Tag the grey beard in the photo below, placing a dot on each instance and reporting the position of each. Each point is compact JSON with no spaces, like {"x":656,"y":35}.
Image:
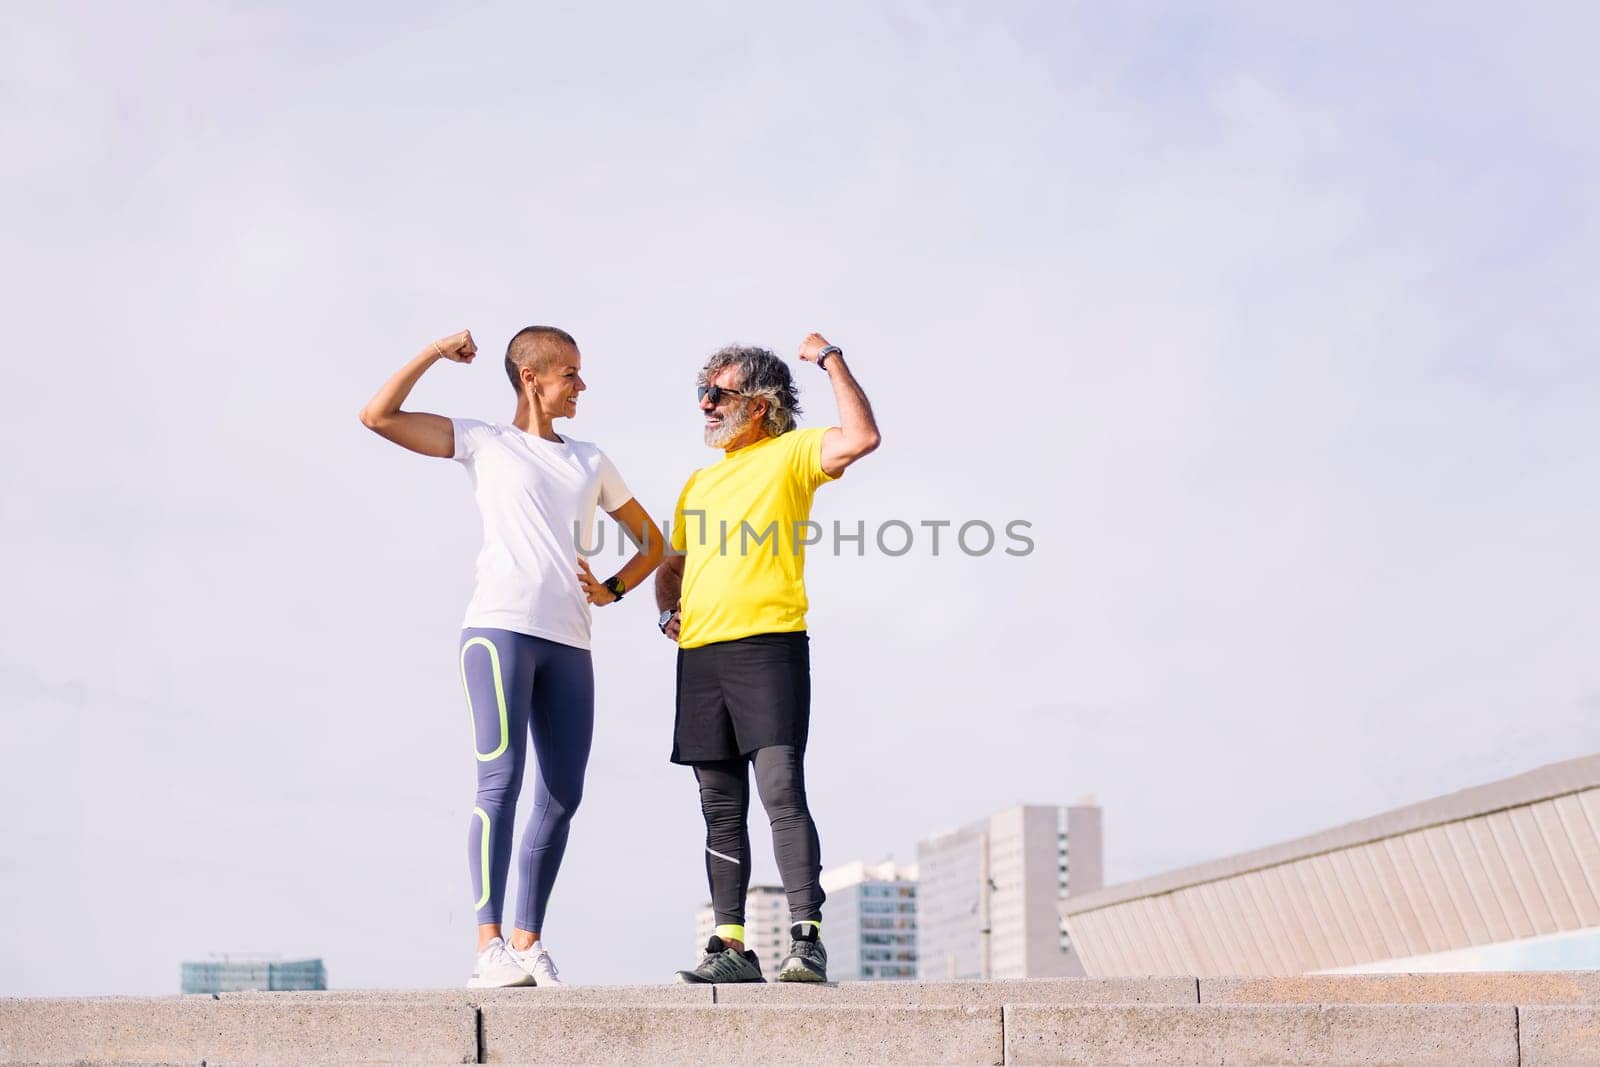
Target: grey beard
{"x":732,"y":426}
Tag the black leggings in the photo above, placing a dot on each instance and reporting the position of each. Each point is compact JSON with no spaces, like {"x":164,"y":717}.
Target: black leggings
{"x":725,"y":801}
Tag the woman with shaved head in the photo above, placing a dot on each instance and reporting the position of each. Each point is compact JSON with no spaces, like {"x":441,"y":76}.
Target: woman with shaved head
{"x":525,"y":640}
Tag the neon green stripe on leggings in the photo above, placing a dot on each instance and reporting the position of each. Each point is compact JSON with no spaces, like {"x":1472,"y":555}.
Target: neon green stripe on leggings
{"x":499,"y":696}
{"x":483,"y":856}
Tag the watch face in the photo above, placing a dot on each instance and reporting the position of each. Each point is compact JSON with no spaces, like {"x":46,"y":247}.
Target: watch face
{"x":666,"y":616}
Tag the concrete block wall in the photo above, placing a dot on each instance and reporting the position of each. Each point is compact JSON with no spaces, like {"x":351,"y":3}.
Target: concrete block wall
{"x":1527,"y":1019}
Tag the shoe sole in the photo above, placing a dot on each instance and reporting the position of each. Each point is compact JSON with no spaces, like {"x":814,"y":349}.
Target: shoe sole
{"x":475,"y":983}
{"x":799,"y":972}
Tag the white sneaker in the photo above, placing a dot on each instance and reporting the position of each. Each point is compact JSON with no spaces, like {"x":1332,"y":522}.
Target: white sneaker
{"x":536,"y":961}
{"x":496,"y":969}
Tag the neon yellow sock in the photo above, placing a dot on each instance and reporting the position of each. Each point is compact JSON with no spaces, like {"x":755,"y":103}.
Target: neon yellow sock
{"x":730,"y":932}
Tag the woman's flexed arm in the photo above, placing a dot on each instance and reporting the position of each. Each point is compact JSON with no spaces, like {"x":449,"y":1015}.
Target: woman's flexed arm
{"x":431,"y":435}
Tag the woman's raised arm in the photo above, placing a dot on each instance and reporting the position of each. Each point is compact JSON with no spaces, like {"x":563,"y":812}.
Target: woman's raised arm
{"x":430,"y":435}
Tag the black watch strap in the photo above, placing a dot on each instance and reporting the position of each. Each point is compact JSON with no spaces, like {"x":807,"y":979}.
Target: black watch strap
{"x":614,"y":583}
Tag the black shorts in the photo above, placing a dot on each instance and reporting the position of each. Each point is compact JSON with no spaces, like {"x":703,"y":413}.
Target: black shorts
{"x":737,"y":696}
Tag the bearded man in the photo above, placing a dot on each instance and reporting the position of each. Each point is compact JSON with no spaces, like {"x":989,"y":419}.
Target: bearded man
{"x":733,"y":597}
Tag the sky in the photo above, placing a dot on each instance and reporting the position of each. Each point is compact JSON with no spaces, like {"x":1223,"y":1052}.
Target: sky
{"x":1267,"y":319}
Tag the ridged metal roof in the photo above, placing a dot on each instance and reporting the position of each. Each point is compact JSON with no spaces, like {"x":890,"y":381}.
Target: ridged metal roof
{"x":1497,"y":862}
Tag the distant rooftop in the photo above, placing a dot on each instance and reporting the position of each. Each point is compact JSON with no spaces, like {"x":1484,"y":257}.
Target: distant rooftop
{"x":981,"y":824}
{"x":235,"y":973}
{"x":848,"y":874}
{"x":1542,"y":783}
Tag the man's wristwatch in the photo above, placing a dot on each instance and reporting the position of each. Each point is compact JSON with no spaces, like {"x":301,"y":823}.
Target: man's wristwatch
{"x":822,"y":357}
{"x":614,"y":583}
{"x":666,"y":617}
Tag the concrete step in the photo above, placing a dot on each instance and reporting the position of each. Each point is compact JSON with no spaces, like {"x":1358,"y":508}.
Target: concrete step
{"x":1169,"y":990}
{"x":260,"y":1030}
{"x":1531,"y":987}
{"x":1426,"y":1019}
{"x":801,"y":1034}
{"x":1263,"y":1034}
{"x":1568,"y":1036}
{"x":1166,"y":990}
{"x":1526,"y":988}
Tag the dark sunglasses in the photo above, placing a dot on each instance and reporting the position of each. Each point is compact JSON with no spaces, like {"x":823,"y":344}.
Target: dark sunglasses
{"x":715,"y":393}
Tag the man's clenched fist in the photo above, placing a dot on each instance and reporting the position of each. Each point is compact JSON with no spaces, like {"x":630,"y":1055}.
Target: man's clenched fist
{"x":811,"y":347}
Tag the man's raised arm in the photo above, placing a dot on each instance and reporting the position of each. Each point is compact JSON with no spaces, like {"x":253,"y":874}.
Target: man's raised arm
{"x":857,"y":432}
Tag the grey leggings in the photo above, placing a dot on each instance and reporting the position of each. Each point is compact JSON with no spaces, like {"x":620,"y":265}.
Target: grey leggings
{"x":519,"y":686}
{"x":725,"y":802}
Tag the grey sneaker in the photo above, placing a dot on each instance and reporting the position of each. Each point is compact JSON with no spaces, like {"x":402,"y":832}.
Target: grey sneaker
{"x":722,"y":964}
{"x":807,"y":960}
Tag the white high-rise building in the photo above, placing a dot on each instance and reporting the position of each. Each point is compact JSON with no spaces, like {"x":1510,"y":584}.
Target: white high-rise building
{"x":869,"y":923}
{"x":766,"y":926}
{"x":989,"y":894}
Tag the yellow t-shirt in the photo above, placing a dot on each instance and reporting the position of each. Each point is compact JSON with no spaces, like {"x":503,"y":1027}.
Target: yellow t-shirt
{"x":743,"y":524}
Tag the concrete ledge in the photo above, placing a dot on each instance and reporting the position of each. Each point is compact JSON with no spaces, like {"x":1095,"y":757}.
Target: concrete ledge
{"x":194,"y":1029}
{"x":1318,"y":1019}
{"x":1263,"y":1034}
{"x":1565,"y":1036}
{"x":602,"y":994}
{"x":809,"y":1034}
{"x":1520,"y":987}
{"x":990,"y":994}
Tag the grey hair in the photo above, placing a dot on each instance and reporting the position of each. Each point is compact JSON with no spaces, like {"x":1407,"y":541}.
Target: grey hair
{"x":762,"y":374}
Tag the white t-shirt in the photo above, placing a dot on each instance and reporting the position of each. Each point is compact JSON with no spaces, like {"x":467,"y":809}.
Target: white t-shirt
{"x":537,"y":499}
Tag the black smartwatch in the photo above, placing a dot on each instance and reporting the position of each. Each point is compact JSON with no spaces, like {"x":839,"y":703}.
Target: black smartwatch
{"x":614,"y":583}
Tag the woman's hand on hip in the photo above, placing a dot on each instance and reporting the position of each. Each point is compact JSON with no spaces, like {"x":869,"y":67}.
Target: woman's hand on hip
{"x":593,"y":589}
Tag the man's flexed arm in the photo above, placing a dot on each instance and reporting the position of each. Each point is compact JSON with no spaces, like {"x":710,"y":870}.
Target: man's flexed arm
{"x":857,"y":432}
